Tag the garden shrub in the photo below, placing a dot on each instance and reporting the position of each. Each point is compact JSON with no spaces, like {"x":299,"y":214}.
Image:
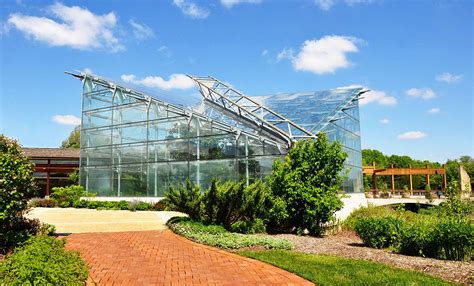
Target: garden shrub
{"x":456,"y":206}
{"x":308,"y":181}
{"x":158,"y":206}
{"x":235,"y":202}
{"x":16,"y":188}
{"x":364,"y":212}
{"x":418,"y":239}
{"x":42,"y":260}
{"x":216,"y":235}
{"x":122,"y":205}
{"x":20,"y":229}
{"x":231,"y":204}
{"x":455,"y":239}
{"x":251,"y":227}
{"x":42,"y":203}
{"x":143,"y":206}
{"x":378,"y":232}
{"x":186,"y":199}
{"x":68,"y":196}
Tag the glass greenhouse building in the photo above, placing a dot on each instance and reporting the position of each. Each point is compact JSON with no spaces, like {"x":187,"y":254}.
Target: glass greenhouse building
{"x":135,"y":145}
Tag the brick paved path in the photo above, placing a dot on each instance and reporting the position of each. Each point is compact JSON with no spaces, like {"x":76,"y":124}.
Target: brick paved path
{"x":164,"y":258}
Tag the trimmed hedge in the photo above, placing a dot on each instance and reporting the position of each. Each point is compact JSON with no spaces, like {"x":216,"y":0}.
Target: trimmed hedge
{"x":216,"y":235}
{"x":42,"y":260}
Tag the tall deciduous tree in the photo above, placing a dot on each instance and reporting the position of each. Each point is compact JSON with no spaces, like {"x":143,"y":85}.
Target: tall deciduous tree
{"x":307,"y":182}
{"x":74,"y":139}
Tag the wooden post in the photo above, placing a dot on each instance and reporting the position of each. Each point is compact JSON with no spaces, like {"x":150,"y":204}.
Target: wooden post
{"x":374,"y":180}
{"x":428,"y":178}
{"x":411,"y":182}
{"x":47,"y":178}
{"x":444,"y":179}
{"x":393,"y":182}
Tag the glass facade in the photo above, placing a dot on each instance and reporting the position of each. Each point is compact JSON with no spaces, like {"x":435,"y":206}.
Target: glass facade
{"x":133,"y":145}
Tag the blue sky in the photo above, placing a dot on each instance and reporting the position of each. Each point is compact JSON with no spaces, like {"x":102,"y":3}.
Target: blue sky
{"x":415,"y":56}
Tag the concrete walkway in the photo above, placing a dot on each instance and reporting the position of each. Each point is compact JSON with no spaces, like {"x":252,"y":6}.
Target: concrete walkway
{"x":71,"y":220}
{"x":164,"y":258}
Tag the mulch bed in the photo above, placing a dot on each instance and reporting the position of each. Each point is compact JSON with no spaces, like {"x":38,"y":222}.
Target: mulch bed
{"x":348,"y":244}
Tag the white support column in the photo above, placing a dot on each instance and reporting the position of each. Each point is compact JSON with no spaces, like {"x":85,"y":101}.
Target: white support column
{"x":198,"y":156}
{"x":247,"y":159}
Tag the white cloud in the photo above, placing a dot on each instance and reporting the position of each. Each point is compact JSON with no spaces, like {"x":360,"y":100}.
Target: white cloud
{"x":264,"y":52}
{"x":165,"y":51}
{"x":322,"y":56}
{"x":355,"y":2}
{"x":326,"y":5}
{"x":176,"y":81}
{"x":141,"y":31}
{"x":77,"y":27}
{"x":230,"y":3}
{"x":384,"y":121}
{"x":424,"y":93}
{"x":411,"y":135}
{"x":285,"y":54}
{"x":377,"y":96}
{"x":4,"y":29}
{"x":191,"y":9}
{"x":67,"y":119}
{"x":434,"y":110}
{"x":449,"y":78}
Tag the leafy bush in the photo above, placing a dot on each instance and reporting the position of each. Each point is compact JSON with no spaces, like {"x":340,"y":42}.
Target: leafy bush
{"x":20,"y":229}
{"x":186,"y":199}
{"x":215,"y":235}
{"x":16,"y":188}
{"x":418,"y":239}
{"x":42,"y":260}
{"x":456,"y":206}
{"x":308,"y":181}
{"x":378,"y":232}
{"x":365,"y":212}
{"x":158,"y":206}
{"x":68,"y":196}
{"x":42,"y":203}
{"x":455,"y":239}
{"x":255,"y":226}
{"x":114,"y":205}
{"x":231,"y":204}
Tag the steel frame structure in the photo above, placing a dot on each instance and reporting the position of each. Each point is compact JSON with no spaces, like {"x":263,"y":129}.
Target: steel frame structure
{"x":110,"y":155}
{"x":235,"y":103}
{"x":129,"y":138}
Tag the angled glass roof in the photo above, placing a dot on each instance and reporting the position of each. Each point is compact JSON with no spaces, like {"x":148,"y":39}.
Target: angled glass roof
{"x":311,"y":110}
{"x":284,"y":116}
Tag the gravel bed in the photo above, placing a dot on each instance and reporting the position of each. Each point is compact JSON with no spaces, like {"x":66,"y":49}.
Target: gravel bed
{"x":348,"y":244}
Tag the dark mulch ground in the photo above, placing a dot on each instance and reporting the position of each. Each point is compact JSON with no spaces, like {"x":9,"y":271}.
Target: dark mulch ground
{"x":348,"y":244}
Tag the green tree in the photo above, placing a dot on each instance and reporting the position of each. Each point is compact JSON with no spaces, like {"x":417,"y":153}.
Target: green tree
{"x":369,"y":156}
{"x":74,"y":139}
{"x":16,"y":188}
{"x":307,"y":181}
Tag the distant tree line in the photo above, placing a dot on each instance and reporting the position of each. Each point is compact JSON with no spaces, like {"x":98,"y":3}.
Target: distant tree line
{"x":74,"y":139}
{"x":419,"y":182}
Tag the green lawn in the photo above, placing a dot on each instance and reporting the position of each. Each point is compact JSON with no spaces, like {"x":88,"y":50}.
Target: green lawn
{"x":331,"y":270}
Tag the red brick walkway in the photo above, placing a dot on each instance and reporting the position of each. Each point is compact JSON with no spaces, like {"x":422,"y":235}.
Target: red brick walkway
{"x":163,"y":258}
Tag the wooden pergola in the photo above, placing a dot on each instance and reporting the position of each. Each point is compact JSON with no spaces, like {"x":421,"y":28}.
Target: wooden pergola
{"x":374,"y":172}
